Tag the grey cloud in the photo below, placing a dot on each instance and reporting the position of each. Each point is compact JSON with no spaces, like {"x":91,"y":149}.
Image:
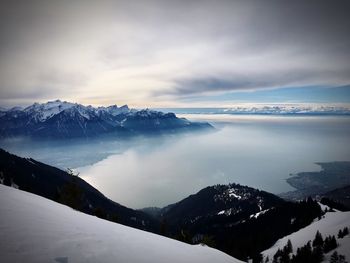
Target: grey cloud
{"x":275,"y":79}
{"x":191,"y":46}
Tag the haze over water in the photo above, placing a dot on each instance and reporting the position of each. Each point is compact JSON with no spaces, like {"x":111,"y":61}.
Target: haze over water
{"x":258,"y":151}
{"x":254,"y":150}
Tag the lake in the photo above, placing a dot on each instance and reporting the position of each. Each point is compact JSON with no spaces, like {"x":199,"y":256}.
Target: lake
{"x":258,"y":151}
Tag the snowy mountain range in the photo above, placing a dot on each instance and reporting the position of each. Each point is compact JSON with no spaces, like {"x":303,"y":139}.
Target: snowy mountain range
{"x":270,"y":109}
{"x":61,"y":119}
{"x":290,"y":110}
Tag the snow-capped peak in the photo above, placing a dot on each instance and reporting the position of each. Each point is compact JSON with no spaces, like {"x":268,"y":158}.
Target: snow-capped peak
{"x":115,"y":110}
{"x":146,"y":112}
{"x":285,"y":109}
{"x":17,"y":108}
{"x":44,"y":111}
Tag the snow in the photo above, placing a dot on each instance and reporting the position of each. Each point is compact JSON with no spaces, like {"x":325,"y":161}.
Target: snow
{"x":114,"y":110}
{"x":17,"y":108}
{"x":14,"y":185}
{"x":34,"y":229}
{"x":231,"y":193}
{"x":230,"y":211}
{"x":343,"y":249}
{"x":256,"y":215}
{"x":29,"y":160}
{"x":44,"y":111}
{"x":84,"y":112}
{"x":260,"y":207}
{"x":47,"y":110}
{"x":330,"y":224}
{"x":325,"y":207}
{"x":289,"y":109}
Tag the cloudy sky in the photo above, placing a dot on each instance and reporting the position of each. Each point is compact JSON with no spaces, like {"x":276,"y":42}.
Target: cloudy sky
{"x":174,"y":53}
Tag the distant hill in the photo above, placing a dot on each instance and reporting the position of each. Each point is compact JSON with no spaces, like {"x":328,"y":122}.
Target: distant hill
{"x":233,"y":200}
{"x":55,"y":184}
{"x":338,"y":198}
{"x":239,"y":220}
{"x":332,"y":176}
{"x":61,"y":119}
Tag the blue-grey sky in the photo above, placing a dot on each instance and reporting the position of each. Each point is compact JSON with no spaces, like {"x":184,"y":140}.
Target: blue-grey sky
{"x":308,"y":94}
{"x":162,"y":53}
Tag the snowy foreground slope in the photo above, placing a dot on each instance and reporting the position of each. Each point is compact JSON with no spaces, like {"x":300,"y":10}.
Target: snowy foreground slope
{"x":35,"y":229}
{"x":330,"y":224}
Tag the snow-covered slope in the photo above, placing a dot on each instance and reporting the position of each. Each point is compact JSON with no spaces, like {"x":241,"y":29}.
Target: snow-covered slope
{"x":343,"y":249}
{"x":34,"y":229}
{"x":42,"y":112}
{"x":330,"y":224}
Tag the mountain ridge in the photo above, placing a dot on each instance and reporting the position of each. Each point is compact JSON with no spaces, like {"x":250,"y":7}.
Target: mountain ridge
{"x":61,"y":119}
{"x":50,"y":182}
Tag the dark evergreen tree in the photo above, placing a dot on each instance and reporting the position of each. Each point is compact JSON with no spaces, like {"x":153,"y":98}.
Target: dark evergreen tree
{"x":114,"y":218}
{"x":277,"y":256}
{"x":340,"y":233}
{"x":100,"y":212}
{"x":258,"y":258}
{"x":318,"y":241}
{"x":334,"y":242}
{"x":334,"y":204}
{"x":330,"y":243}
{"x":72,"y":195}
{"x":307,"y":254}
{"x":304,"y":254}
{"x":209,"y":241}
{"x":163,"y":227}
{"x":336,"y":258}
{"x":289,"y":246}
{"x":317,"y":254}
{"x":343,"y":233}
{"x":285,"y":258}
{"x":184,"y":236}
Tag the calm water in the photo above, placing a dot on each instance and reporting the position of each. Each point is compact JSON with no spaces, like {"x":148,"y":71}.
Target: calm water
{"x":259,"y":151}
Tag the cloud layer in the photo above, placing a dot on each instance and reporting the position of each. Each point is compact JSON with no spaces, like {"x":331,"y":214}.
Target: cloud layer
{"x":159,"y":52}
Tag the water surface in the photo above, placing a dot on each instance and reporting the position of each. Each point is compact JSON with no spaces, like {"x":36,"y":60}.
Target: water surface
{"x":259,"y":151}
